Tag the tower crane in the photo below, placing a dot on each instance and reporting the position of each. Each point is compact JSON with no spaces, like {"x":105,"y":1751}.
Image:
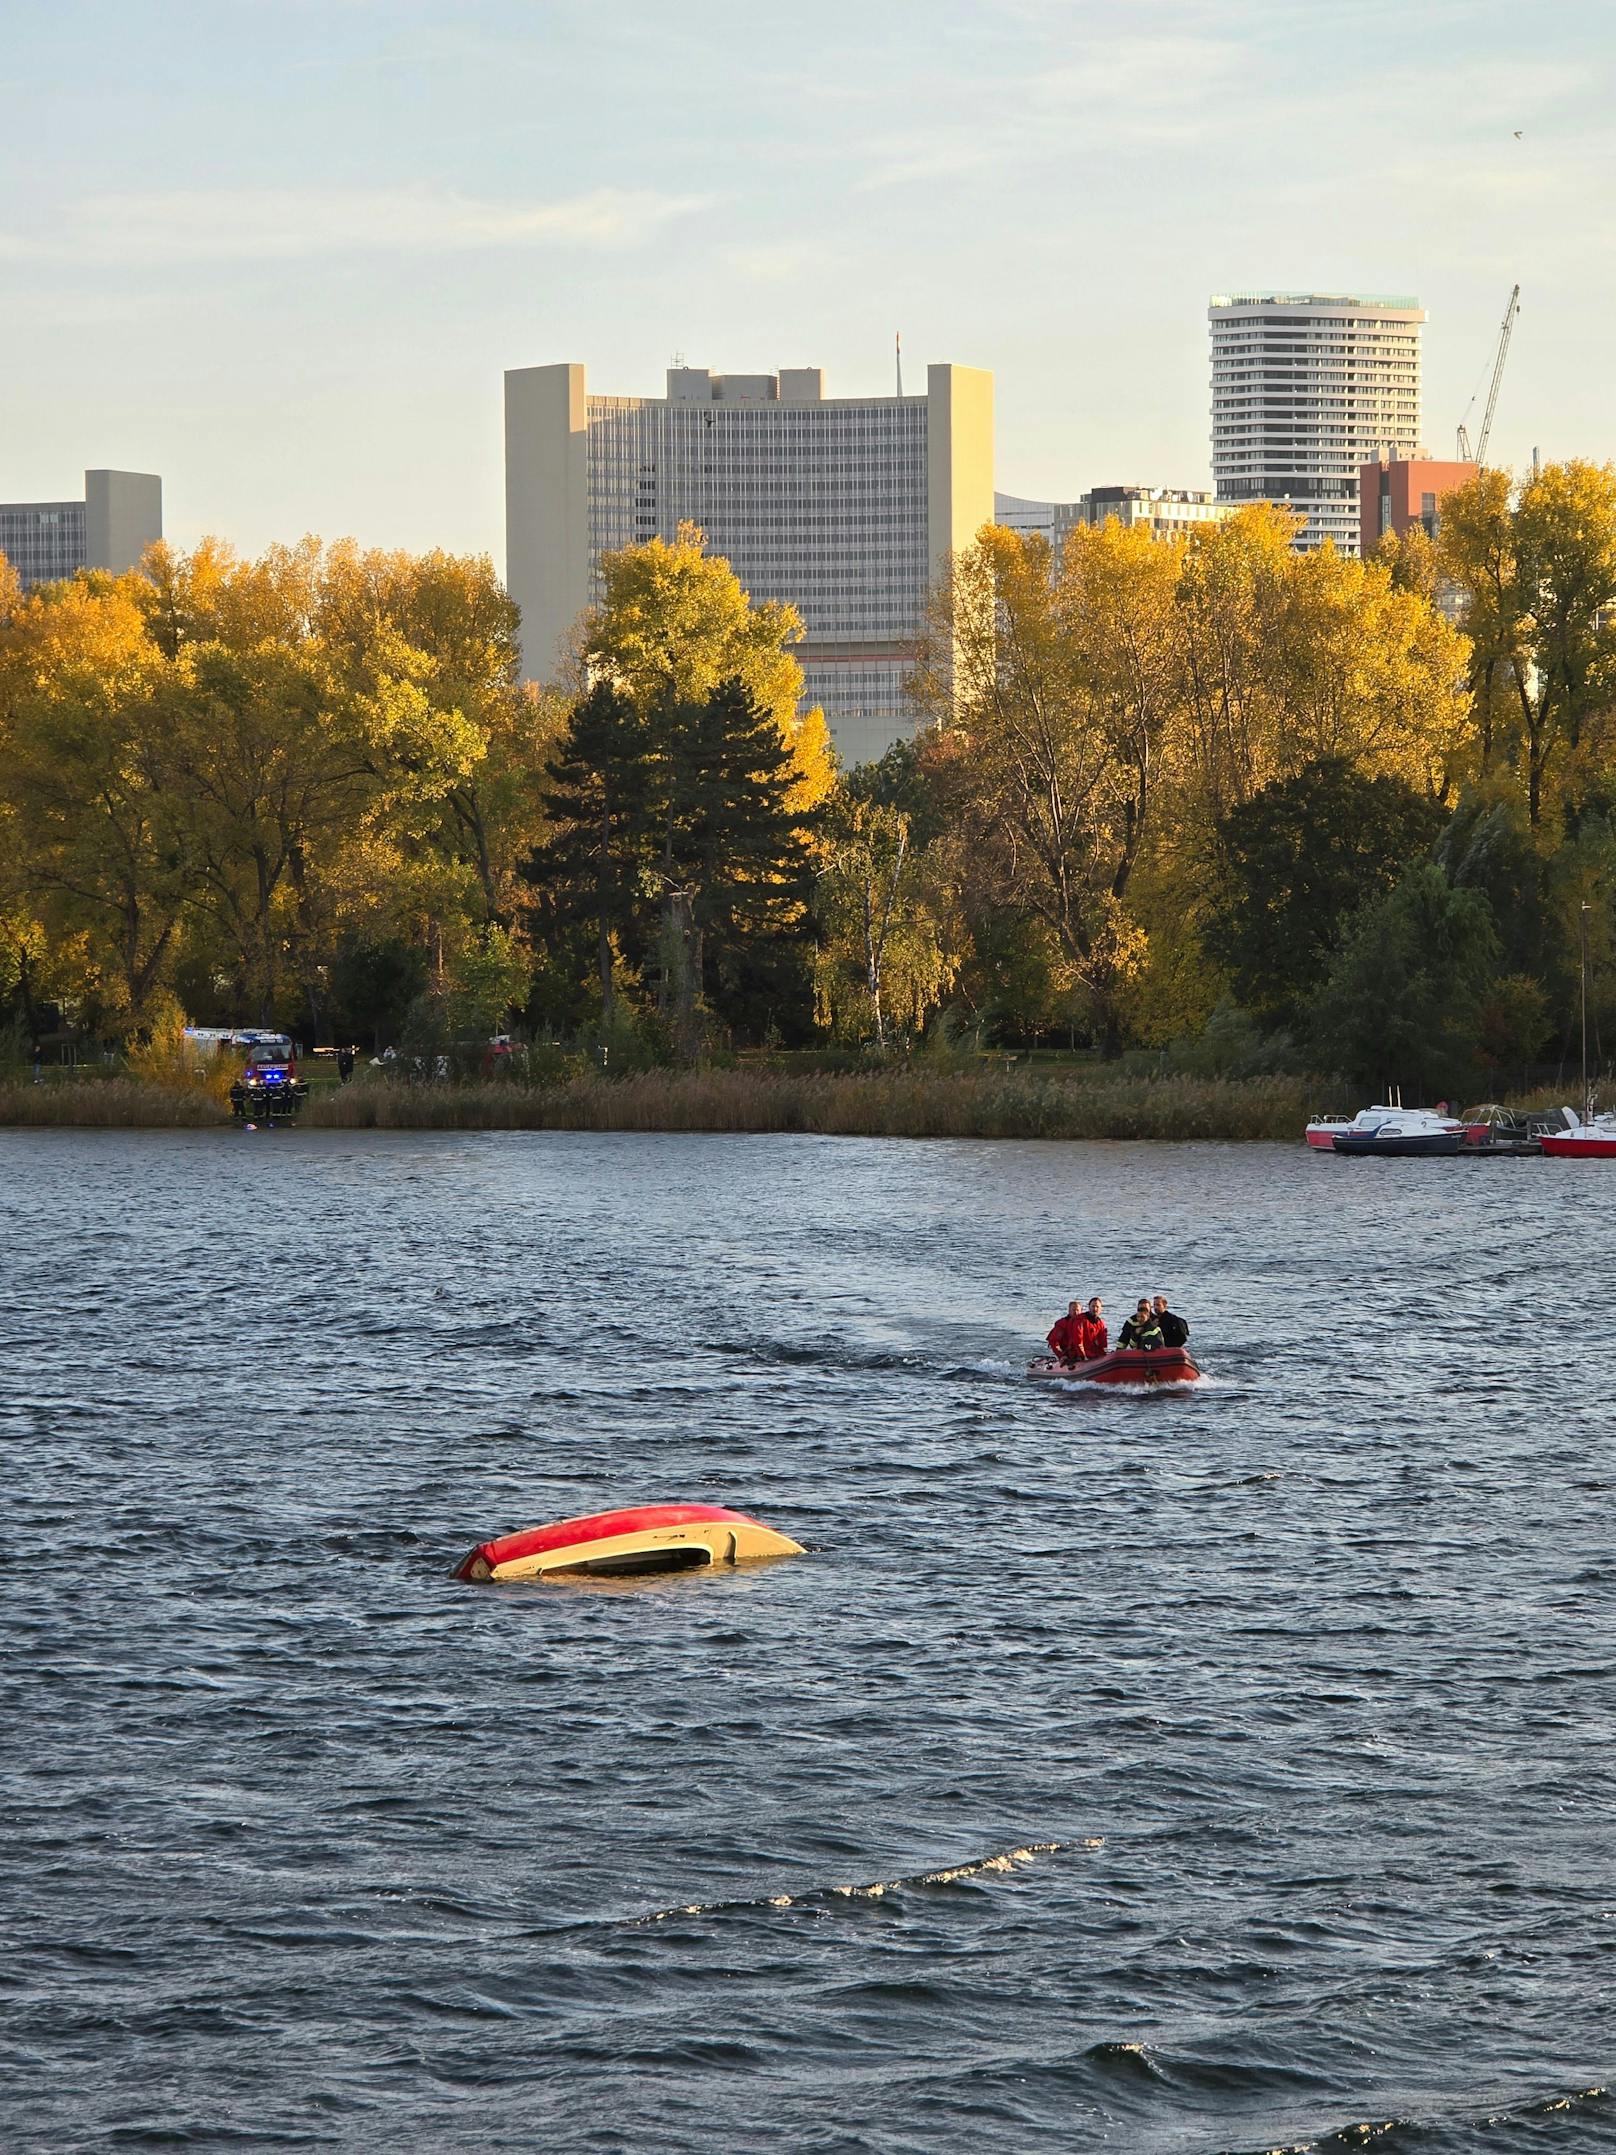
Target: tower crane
{"x":1480,"y":457}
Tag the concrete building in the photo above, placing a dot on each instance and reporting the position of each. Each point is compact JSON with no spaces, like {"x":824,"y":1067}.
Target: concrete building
{"x":1033,"y":519}
{"x":1306,"y":388}
{"x":1396,"y":493}
{"x":1169,"y":512}
{"x":843,"y":506}
{"x":120,"y":516}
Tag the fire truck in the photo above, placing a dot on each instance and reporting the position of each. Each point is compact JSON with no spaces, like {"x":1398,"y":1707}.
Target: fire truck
{"x":267,"y":1086}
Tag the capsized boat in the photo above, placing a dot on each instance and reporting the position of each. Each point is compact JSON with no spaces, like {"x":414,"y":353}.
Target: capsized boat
{"x":1594,"y":1139}
{"x":624,"y":1544}
{"x":1124,"y":1365}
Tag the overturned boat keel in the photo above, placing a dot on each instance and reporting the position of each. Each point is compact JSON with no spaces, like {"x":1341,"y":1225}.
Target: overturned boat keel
{"x":625,"y":1544}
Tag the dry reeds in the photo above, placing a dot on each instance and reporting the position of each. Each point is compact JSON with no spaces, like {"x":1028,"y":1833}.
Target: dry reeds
{"x":884,"y":1103}
{"x":899,"y":1103}
{"x":108,"y":1104}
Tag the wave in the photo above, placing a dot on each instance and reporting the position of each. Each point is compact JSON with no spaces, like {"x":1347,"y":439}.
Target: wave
{"x":1438,"y":2132}
{"x":1006,"y":1860}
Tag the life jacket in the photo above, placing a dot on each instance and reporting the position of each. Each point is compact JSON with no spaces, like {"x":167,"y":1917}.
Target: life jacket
{"x":1066,"y":1338}
{"x":1095,"y":1339}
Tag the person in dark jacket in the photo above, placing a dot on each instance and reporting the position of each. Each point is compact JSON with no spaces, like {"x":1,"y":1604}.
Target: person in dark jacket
{"x":1174,"y":1330}
{"x":1141,"y":1330}
{"x":1065,"y":1340}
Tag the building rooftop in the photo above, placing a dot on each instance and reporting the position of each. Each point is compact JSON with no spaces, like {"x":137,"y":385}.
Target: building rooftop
{"x":1402,"y":301}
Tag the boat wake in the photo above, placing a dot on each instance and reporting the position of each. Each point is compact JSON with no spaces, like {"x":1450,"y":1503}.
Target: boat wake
{"x":1009,"y":1859}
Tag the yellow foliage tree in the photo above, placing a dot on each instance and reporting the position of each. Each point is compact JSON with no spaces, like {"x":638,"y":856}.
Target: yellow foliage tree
{"x":1535,"y":568}
{"x":674,"y":623}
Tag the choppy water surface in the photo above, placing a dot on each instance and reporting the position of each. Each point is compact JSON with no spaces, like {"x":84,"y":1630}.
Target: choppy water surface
{"x":1226,"y":1771}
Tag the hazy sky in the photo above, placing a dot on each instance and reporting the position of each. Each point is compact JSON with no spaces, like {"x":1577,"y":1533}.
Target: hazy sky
{"x":281,"y":250}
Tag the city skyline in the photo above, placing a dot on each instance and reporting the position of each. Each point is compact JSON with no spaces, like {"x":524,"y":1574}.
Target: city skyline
{"x":299,"y":308}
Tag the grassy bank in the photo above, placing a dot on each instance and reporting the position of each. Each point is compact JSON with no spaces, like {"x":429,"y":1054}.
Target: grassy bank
{"x":897,"y":1103}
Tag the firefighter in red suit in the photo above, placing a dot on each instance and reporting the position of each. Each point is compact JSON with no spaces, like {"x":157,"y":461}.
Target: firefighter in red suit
{"x":1065,"y":1340}
{"x":1080,"y":1335}
{"x":1096,"y":1340}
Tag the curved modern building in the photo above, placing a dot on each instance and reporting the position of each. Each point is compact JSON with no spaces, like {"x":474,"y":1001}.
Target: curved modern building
{"x":1307,"y":388}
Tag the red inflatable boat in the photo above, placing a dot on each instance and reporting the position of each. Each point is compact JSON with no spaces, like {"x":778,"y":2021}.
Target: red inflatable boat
{"x":1126,"y":1365}
{"x":622,"y":1544}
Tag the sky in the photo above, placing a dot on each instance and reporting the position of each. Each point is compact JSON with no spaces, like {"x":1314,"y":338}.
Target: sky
{"x":281,"y":251}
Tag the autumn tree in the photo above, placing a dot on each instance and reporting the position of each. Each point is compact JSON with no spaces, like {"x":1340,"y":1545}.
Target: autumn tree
{"x":1061,"y":689}
{"x":1535,"y":568}
{"x":91,"y":847}
{"x":885,"y":956}
{"x":674,"y":623}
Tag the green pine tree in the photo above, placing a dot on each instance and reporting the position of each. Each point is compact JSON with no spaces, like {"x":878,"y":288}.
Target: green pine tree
{"x":732,"y":863}
{"x":599,"y":801}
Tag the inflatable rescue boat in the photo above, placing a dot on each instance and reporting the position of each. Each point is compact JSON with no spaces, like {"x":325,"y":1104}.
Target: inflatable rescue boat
{"x":1124,"y":1365}
{"x":625,"y":1544}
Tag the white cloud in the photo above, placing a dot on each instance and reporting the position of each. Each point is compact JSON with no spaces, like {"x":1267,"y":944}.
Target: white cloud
{"x":279,"y":224}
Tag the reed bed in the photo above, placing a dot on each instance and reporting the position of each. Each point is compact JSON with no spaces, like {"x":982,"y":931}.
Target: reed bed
{"x":906,"y":1103}
{"x":115,"y":1103}
{"x":886,"y":1103}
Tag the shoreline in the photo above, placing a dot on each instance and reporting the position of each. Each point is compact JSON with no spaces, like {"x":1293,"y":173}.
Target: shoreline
{"x":905,"y":1103}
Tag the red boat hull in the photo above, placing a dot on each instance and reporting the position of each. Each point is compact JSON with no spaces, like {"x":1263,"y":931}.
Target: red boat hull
{"x":1576,"y":1145}
{"x":1127,"y":1365}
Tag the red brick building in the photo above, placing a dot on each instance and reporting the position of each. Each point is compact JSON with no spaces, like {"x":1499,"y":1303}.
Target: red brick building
{"x":1396,"y":493}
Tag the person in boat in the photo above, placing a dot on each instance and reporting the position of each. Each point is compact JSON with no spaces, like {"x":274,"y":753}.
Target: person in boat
{"x":1065,"y":1340}
{"x":1080,"y":1336}
{"x":1095,"y":1339}
{"x":1174,"y":1330}
{"x":1141,"y":1331}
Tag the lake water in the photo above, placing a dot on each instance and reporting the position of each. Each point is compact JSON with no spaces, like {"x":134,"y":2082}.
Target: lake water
{"x":1219,"y":1771}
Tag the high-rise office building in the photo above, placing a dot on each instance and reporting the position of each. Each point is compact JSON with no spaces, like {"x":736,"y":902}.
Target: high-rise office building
{"x":120,"y":516}
{"x":1307,"y":387}
{"x":845,"y":507}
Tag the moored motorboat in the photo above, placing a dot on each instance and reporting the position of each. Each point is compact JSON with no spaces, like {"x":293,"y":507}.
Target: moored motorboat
{"x":1398,"y":1133}
{"x":1124,"y":1365}
{"x":624,"y":1544}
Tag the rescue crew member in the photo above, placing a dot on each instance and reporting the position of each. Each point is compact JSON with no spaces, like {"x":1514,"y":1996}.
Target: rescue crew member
{"x":1174,"y":1330}
{"x":1141,"y":1330}
{"x":1066,"y":1334}
{"x":1095,"y":1339}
